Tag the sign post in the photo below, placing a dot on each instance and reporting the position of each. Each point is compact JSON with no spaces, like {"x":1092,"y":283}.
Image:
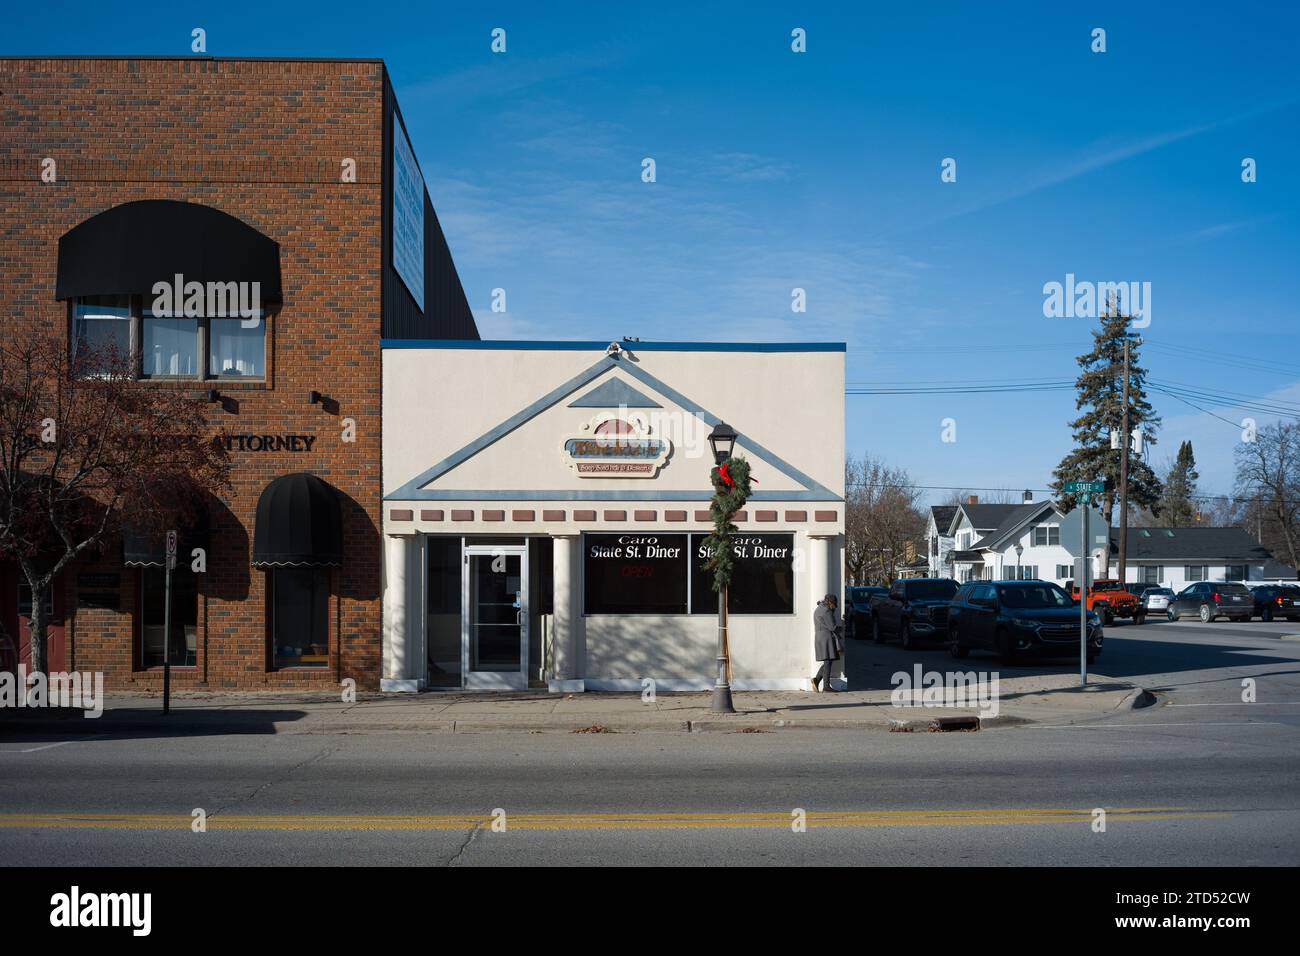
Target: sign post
{"x":167,"y":623}
{"x":1084,"y":490}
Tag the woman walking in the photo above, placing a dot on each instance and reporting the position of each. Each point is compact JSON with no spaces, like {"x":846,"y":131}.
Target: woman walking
{"x":828,"y":640}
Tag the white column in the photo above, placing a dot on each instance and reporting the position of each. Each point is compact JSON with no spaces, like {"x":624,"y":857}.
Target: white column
{"x":819,"y":580}
{"x":402,"y":640}
{"x":567,"y":618}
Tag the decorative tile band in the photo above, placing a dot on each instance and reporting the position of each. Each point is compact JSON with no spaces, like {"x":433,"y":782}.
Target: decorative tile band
{"x":674,"y":515}
{"x":796,"y":516}
{"x":584,"y":516}
{"x":461,"y":515}
{"x":645,"y":515}
{"x":494,"y":515}
{"x":765,"y":516}
{"x":431,"y":515}
{"x":825,"y":515}
{"x":523,"y":516}
{"x":615,"y":516}
{"x":401,"y":514}
{"x":548,"y":515}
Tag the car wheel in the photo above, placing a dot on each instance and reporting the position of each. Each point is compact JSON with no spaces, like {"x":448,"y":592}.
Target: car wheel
{"x":905,"y":635}
{"x":1206,"y":615}
{"x":1140,"y":618}
{"x":1171,"y":614}
{"x":875,"y":631}
{"x":1107,"y":619}
{"x":955,"y":646}
{"x":1266,"y":614}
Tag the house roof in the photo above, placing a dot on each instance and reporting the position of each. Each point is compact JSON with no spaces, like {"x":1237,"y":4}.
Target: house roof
{"x":943,"y":515}
{"x":985,"y":517}
{"x":1209,"y":544}
{"x":1016,"y":517}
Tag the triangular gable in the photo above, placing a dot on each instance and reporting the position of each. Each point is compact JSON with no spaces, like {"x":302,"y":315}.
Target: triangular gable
{"x":614,"y":393}
{"x":414,"y":489}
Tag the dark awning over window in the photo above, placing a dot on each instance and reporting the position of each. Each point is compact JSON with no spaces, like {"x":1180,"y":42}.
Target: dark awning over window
{"x":149,"y":550}
{"x":299,"y":524}
{"x":128,"y":248}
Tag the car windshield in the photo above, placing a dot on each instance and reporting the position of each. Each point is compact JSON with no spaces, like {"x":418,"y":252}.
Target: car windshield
{"x":1164,"y":591}
{"x":1106,"y":586}
{"x":864,"y":594}
{"x":927,"y":590}
{"x":1034,"y":595}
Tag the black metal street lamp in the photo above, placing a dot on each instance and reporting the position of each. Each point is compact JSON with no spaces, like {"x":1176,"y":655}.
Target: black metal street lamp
{"x":723,"y":441}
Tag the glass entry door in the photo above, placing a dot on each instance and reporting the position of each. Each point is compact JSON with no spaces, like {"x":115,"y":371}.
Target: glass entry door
{"x":494,"y":637}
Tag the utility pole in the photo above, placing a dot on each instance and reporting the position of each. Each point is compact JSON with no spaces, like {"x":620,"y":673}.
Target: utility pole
{"x":1123,"y":475}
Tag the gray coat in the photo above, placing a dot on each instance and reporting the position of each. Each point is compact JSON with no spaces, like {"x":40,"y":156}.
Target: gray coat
{"x":827,"y":633}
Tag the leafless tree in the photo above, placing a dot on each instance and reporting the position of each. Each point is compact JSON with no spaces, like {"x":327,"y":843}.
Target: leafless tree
{"x":85,"y":450}
{"x":1268,"y":475}
{"x":882,"y":519}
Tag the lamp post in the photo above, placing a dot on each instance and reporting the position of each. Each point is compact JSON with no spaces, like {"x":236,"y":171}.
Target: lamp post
{"x":1020,"y":549}
{"x":723,"y":442}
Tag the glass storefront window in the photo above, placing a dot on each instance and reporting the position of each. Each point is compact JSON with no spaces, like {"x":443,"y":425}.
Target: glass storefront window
{"x":635,"y":573}
{"x":763,"y":580}
{"x":101,"y":326}
{"x":300,"y":617}
{"x":185,"y":617}
{"x":237,"y":348}
{"x":169,"y":346}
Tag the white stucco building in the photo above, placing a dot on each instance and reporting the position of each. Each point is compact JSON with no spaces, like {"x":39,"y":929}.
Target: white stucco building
{"x":545,"y":505}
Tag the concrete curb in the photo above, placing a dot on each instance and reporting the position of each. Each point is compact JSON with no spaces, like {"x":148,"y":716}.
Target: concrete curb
{"x":1137,"y":699}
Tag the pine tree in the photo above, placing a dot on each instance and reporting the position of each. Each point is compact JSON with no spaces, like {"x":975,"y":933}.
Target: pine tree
{"x":1101,"y":396}
{"x":1175,"y":508}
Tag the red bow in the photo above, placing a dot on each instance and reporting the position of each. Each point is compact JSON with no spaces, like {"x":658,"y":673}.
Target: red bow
{"x":726,"y":477}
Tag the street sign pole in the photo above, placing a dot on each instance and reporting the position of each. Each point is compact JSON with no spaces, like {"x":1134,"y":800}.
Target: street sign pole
{"x":1083,"y":597}
{"x":167,"y":623}
{"x":1083,"y":490}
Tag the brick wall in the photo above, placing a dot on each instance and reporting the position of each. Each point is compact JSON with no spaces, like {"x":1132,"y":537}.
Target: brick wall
{"x":262,"y":141}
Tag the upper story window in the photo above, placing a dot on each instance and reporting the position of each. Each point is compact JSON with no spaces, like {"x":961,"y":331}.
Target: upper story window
{"x":1047,"y":535}
{"x":167,"y":346}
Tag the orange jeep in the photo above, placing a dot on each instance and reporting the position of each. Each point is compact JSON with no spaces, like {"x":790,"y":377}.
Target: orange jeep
{"x":1110,"y":599}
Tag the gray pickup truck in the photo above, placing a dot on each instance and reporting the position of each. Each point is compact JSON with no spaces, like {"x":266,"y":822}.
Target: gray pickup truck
{"x":914,"y":610}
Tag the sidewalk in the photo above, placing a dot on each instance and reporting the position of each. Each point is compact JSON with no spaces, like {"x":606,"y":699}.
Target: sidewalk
{"x":1053,"y":699}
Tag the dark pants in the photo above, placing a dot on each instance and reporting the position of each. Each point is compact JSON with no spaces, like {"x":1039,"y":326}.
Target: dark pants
{"x":824,"y":673}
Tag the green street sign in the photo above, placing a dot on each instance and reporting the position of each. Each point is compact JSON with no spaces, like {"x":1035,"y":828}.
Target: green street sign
{"x":1085,"y":487}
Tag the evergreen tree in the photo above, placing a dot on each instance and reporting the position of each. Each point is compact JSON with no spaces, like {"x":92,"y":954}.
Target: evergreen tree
{"x":1176,"y":508}
{"x":1101,"y":397}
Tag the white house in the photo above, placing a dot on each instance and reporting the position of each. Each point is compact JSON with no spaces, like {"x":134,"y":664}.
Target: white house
{"x":938,"y":542}
{"x":1035,"y":540}
{"x":1177,"y":557}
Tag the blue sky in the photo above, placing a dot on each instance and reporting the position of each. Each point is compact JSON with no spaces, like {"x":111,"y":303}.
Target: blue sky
{"x":821,"y":171}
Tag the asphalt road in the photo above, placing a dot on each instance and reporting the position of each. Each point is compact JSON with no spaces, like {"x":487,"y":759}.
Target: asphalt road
{"x":1200,"y":779}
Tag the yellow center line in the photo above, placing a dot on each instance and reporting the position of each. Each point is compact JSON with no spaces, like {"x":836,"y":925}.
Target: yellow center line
{"x":599,"y":821}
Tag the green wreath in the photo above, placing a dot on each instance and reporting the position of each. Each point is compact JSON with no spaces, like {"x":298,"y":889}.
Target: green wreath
{"x":731,"y":489}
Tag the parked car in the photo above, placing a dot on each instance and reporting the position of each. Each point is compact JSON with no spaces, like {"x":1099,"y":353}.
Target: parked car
{"x":857,"y":610}
{"x":1110,"y":599}
{"x":1277,"y":600}
{"x":1019,"y":618}
{"x":914,"y":610}
{"x":1156,"y":599}
{"x":1208,"y":600}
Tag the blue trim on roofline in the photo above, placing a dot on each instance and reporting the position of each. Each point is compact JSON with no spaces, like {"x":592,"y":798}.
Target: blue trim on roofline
{"x":535,"y":345}
{"x":413,"y":490}
{"x":701,"y":497}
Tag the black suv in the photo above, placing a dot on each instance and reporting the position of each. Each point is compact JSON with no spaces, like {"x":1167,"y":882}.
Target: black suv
{"x":1277,"y":600}
{"x":857,"y":610}
{"x":1018,"y":617}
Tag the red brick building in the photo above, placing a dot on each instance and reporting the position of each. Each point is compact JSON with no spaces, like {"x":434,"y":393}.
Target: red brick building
{"x":298,"y":175}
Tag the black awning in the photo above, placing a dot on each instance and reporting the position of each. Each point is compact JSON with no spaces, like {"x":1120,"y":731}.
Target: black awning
{"x":299,"y":524}
{"x":142,"y":549}
{"x":128,"y":248}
